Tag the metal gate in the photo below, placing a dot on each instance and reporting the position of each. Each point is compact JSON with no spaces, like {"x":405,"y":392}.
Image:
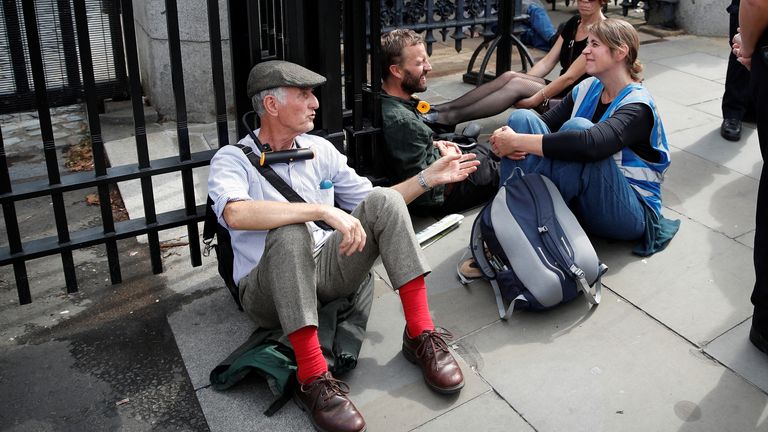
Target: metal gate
{"x":59,"y":50}
{"x":303,"y":31}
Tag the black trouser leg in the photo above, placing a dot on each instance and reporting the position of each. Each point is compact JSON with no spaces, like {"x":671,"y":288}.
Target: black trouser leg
{"x":760,"y":94}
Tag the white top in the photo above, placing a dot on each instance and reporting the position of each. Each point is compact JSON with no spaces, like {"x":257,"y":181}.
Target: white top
{"x":233,"y":178}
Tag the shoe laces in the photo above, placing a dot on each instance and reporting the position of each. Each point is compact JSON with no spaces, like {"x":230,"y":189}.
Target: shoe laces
{"x":329,"y":386}
{"x":434,"y":341}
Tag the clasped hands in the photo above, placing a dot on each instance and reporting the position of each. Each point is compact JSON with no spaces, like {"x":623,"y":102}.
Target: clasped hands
{"x":742,"y":57}
{"x":505,"y":143}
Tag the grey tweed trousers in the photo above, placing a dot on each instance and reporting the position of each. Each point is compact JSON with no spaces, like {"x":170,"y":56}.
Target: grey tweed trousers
{"x":288,"y":286}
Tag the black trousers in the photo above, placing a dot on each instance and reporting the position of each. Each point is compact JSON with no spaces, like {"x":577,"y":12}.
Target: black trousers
{"x":737,"y":100}
{"x":759,"y":85}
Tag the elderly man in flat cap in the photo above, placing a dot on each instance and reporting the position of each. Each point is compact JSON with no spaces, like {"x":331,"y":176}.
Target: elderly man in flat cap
{"x":281,"y":283}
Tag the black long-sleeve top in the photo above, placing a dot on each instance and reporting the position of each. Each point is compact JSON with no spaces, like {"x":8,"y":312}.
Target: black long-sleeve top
{"x":630,"y":126}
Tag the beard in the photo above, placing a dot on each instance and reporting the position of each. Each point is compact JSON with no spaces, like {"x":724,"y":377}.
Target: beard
{"x":411,"y":83}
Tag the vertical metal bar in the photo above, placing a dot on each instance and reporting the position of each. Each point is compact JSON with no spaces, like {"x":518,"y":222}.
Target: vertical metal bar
{"x":18,"y":61}
{"x":294,"y":30}
{"x":458,"y":33}
{"x":116,"y":36}
{"x":399,"y":9}
{"x":326,"y":55}
{"x":375,"y":44}
{"x":97,"y":142}
{"x":349,"y":57}
{"x":217,"y":71}
{"x":358,"y":29}
{"x":12,"y":230}
{"x":177,"y":80}
{"x":240,"y":51}
{"x":140,"y":132}
{"x":69,"y":45}
{"x":504,"y":48}
{"x":49,"y":147}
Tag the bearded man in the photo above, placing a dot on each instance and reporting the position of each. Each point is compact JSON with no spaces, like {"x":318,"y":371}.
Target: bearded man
{"x":410,"y":146}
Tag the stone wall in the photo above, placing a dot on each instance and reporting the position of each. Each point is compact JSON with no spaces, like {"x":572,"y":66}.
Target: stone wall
{"x":703,"y":17}
{"x":154,"y":58}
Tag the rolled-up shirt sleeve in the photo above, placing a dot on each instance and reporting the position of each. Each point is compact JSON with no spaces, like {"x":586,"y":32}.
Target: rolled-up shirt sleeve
{"x":228,"y":180}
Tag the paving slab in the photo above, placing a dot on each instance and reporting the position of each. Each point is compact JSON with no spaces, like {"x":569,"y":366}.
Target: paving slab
{"x":241,"y":408}
{"x":698,"y":64}
{"x":207,"y":330}
{"x":679,"y":86}
{"x":741,"y":156}
{"x":501,"y":417}
{"x":166,"y":187}
{"x":669,"y":48}
{"x":698,"y":287}
{"x":747,"y":239}
{"x":735,"y":351}
{"x":677,"y":117}
{"x":710,"y":194}
{"x":389,"y":390}
{"x":614,"y":369}
{"x":712,"y":107}
{"x":682,"y":45}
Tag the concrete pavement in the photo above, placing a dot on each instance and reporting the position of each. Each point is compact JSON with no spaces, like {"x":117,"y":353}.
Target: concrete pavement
{"x":666,"y":350}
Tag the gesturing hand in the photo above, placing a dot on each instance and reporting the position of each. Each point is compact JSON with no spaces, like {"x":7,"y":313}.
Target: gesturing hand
{"x":353,"y":234}
{"x":451,"y":168}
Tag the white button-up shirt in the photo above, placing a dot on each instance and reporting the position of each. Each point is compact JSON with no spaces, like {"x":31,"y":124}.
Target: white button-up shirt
{"x":233,"y":178}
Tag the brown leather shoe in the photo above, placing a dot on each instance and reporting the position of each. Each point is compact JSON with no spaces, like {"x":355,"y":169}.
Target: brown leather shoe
{"x":430,"y":351}
{"x":325,"y":400}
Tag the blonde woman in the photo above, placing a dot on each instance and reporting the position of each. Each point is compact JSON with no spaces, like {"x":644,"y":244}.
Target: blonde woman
{"x":604,"y":146}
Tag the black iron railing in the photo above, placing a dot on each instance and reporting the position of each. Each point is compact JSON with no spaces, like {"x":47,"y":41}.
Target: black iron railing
{"x":59,"y":49}
{"x":19,"y":252}
{"x":295,"y":30}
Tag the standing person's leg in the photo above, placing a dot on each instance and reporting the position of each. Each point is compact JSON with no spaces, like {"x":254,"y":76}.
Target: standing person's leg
{"x":759,"y":332}
{"x":736,"y":98}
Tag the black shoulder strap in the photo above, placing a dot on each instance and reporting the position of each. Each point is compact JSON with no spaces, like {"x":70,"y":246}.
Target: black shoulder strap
{"x":268,"y":173}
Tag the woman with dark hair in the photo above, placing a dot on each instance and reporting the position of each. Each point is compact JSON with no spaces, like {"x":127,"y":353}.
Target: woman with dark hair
{"x":604,"y":146}
{"x":529,"y":90}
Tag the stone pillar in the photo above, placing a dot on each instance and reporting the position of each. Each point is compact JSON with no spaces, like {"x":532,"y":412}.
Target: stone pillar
{"x":152,"y":42}
{"x":703,"y":17}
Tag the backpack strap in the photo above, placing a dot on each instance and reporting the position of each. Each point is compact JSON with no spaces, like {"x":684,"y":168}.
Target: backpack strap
{"x":504,"y":313}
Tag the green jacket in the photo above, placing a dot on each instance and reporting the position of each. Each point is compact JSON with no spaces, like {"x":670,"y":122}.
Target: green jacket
{"x":341,"y":330}
{"x":408,"y":146}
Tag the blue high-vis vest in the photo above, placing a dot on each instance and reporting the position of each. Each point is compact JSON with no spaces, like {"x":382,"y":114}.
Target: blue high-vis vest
{"x":644,"y":176}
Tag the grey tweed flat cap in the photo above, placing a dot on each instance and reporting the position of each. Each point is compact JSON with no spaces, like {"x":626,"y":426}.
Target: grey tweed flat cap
{"x":280,"y":73}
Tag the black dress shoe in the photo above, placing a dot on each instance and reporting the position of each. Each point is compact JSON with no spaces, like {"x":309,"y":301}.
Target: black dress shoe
{"x":731,"y":129}
{"x":758,"y":334}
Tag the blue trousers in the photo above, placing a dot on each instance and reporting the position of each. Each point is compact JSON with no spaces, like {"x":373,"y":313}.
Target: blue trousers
{"x":597,"y":192}
{"x":540,"y":31}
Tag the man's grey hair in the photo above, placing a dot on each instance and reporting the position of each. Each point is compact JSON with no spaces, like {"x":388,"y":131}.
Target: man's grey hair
{"x":258,"y":99}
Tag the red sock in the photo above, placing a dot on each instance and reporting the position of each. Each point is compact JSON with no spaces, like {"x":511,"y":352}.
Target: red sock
{"x":309,"y":356}
{"x":413,"y":296}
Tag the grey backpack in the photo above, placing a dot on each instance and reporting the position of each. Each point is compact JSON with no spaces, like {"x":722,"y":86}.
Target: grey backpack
{"x":531,"y":248}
